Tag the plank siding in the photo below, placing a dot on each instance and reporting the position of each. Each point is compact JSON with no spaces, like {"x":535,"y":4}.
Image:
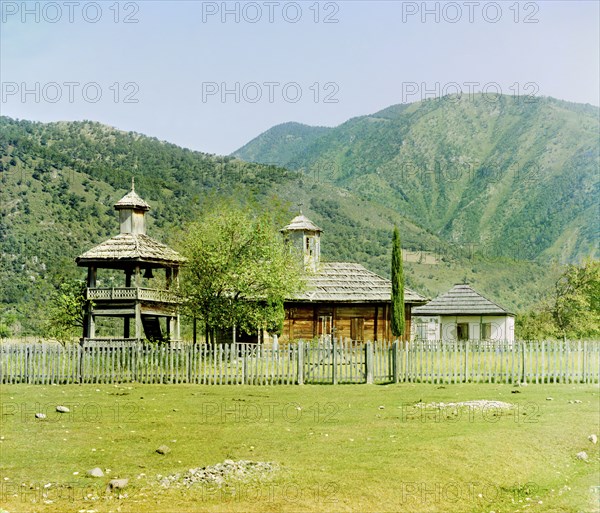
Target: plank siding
{"x":302,"y":320}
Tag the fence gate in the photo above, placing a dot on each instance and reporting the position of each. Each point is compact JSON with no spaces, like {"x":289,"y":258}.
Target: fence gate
{"x":327,"y":361}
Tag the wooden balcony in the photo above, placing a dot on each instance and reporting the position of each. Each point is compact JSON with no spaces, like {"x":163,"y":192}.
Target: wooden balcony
{"x":132,"y":294}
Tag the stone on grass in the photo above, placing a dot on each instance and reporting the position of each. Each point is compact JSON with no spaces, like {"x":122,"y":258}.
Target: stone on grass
{"x":582,"y":456}
{"x":62,"y":409}
{"x":95,"y":472}
{"x":549,"y":398}
{"x":163,"y":449}
{"x":117,"y":484}
{"x":593,"y":439}
{"x":40,"y":415}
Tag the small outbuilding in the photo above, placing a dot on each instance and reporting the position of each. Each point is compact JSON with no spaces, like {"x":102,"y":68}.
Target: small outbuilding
{"x":462,"y":313}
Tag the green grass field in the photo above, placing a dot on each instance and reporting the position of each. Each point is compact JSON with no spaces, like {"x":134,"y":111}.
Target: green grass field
{"x":338,"y":448}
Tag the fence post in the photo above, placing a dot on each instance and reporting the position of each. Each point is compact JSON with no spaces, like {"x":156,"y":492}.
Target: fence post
{"x":466,"y":348}
{"x":369,"y":362}
{"x":80,"y":354}
{"x":334,"y":362}
{"x":523,"y":378}
{"x":395,"y":362}
{"x":301,"y":362}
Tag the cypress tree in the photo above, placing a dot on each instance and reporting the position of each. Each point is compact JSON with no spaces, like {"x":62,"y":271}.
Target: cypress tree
{"x":397,"y":286}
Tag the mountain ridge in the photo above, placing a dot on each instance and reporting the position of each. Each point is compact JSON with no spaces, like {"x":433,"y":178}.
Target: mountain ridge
{"x":470,"y":171}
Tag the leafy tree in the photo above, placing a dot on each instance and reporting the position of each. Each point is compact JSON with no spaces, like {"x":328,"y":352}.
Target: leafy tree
{"x":575,"y":304}
{"x":66,"y":312}
{"x":397,"y":286}
{"x":239,"y":271}
{"x":535,"y":325}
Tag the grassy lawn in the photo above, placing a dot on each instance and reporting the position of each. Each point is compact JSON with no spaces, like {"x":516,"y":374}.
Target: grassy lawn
{"x":338,"y":448}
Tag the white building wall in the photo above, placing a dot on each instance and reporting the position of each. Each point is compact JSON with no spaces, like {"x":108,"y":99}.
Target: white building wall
{"x":444,"y":327}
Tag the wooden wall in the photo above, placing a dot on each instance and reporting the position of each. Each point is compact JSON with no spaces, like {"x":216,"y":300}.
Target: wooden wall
{"x":304,"y":320}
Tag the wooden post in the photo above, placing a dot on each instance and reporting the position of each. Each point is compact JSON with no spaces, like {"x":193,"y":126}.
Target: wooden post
{"x":369,"y":362}
{"x":334,"y":374}
{"x":523,"y":378}
{"x":395,"y":362}
{"x":300,"y":362}
{"x":466,"y":361}
{"x":138,"y":321}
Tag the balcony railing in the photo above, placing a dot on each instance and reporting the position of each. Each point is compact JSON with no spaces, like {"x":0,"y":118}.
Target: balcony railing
{"x":132,"y":293}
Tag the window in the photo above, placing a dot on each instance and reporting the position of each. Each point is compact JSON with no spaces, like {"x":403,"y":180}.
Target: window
{"x":462,"y":331}
{"x":309,"y":245}
{"x":357,"y":329}
{"x":486,"y":331}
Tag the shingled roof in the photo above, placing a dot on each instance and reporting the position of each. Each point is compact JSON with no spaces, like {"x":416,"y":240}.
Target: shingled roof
{"x":460,"y":300}
{"x":300,"y":223}
{"x":349,"y":282}
{"x":132,"y":200}
{"x":131,"y":247}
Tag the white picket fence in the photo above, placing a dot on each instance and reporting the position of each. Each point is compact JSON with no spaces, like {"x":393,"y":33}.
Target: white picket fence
{"x":306,"y":362}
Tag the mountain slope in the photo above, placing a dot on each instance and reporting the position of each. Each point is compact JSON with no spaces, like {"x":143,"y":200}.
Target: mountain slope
{"x":59,"y":181}
{"x":509,"y":177}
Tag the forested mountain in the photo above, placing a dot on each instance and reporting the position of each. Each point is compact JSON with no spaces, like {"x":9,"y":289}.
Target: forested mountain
{"x":510,"y":176}
{"x":59,"y":182}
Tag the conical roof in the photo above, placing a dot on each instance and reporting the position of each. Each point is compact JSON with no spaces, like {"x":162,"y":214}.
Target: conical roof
{"x":461,"y":300}
{"x":132,"y":200}
{"x":301,"y":223}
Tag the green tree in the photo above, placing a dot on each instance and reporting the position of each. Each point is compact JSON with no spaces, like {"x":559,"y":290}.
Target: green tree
{"x":239,"y":271}
{"x":575,"y":305}
{"x":535,"y":325}
{"x":397,"y":286}
{"x":66,"y":311}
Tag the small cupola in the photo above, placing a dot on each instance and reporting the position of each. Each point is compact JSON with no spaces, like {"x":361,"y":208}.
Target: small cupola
{"x":132,"y":212}
{"x":305,"y":235}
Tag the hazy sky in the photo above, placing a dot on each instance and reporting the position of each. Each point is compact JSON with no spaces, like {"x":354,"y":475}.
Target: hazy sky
{"x":213,"y":75}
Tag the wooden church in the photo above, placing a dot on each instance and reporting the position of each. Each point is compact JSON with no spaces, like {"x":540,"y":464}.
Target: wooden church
{"x":145,"y":309}
{"x":341,"y":299}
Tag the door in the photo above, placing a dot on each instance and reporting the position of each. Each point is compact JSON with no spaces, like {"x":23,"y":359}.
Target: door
{"x":325,"y":328}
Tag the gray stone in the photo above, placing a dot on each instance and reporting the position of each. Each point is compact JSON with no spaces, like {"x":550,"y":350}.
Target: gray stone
{"x":62,"y":409}
{"x":593,"y":439}
{"x":40,"y":415}
{"x":117,"y":484}
{"x":582,"y":456}
{"x":163,"y":449}
{"x":549,"y":398}
{"x":95,"y":472}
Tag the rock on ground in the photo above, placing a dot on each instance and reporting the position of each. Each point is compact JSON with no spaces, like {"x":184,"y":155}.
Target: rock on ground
{"x":163,"y":449}
{"x":117,"y":484}
{"x":95,"y":472}
{"x":593,"y":439}
{"x":220,"y":474}
{"x":62,"y":409}
{"x":582,"y":456}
